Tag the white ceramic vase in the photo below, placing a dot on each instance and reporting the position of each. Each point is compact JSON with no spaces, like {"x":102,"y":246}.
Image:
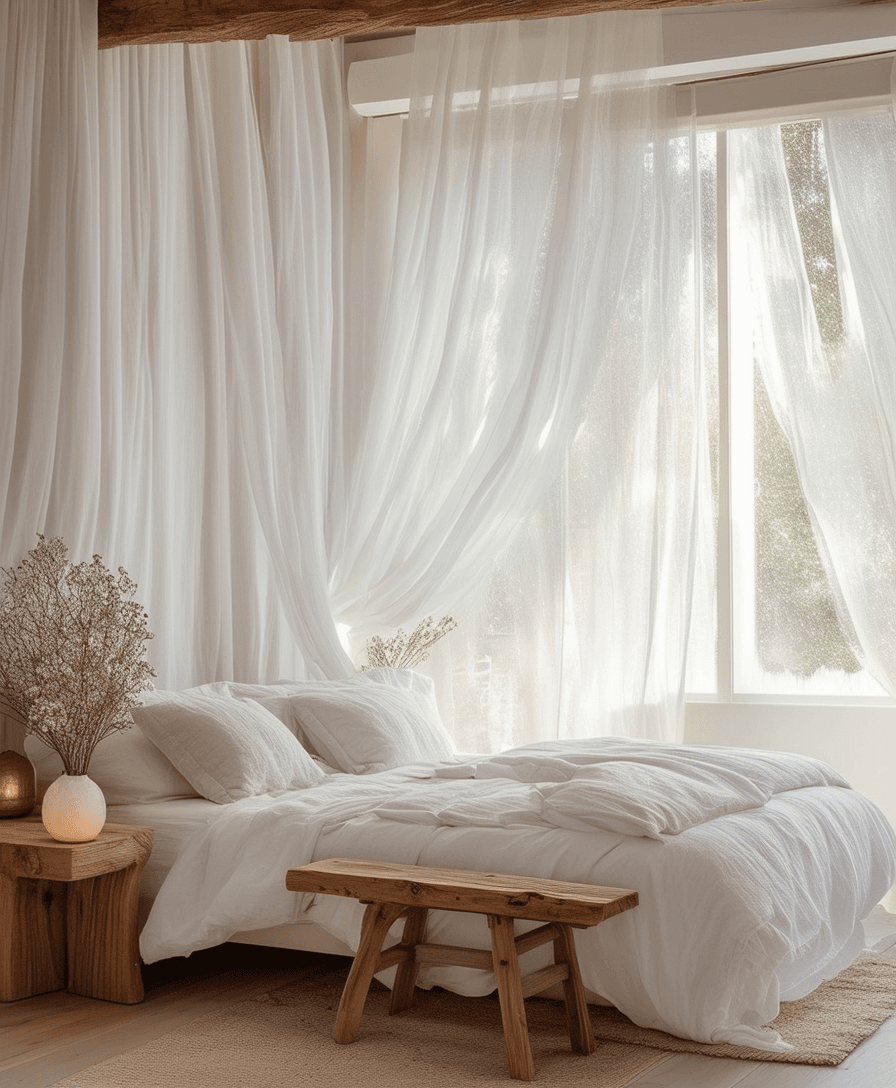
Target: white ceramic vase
{"x":73,"y":808}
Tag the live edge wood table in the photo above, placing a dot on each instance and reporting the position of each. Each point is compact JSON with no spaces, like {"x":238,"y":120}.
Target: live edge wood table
{"x":391,"y":891}
{"x":68,"y":912}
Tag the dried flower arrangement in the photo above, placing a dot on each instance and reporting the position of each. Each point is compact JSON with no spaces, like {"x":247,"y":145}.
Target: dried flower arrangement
{"x":72,"y":651}
{"x":403,"y":651}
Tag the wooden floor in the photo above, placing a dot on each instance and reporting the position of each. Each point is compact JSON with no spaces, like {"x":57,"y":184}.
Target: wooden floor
{"x":44,"y":1039}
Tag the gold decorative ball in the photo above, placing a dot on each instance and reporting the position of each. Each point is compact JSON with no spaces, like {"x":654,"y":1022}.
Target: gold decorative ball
{"x":18,"y":786}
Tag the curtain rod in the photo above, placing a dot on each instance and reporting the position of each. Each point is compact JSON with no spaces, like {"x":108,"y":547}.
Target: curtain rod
{"x":751,"y":73}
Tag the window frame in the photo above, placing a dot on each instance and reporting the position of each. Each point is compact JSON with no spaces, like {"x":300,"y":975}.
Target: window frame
{"x":725,"y":537}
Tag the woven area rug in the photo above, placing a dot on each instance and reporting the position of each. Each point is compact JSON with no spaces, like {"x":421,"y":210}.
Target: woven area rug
{"x":824,"y":1027}
{"x":447,"y":1041}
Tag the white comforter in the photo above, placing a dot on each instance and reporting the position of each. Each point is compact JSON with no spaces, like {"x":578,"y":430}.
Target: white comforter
{"x":753,"y":869}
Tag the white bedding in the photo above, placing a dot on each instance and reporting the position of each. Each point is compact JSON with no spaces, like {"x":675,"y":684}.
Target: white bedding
{"x":754,"y":870}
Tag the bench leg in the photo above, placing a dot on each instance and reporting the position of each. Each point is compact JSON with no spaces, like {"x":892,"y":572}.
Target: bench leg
{"x":581,"y":1033}
{"x":510,"y":991}
{"x":378,"y":920}
{"x":406,"y":975}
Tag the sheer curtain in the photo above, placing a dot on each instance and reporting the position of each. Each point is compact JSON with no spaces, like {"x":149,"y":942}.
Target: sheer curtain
{"x":175,"y":388}
{"x":50,"y":395}
{"x":835,"y":400}
{"x":543,"y":285}
{"x":222,"y":268}
{"x":49,"y":280}
{"x":172,"y":289}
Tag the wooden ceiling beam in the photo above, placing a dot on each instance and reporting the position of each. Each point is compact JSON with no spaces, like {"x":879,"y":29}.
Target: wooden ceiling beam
{"x":142,"y":22}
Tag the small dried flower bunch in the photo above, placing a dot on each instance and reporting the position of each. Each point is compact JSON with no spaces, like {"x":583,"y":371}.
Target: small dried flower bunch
{"x":403,"y":651}
{"x":72,"y":650}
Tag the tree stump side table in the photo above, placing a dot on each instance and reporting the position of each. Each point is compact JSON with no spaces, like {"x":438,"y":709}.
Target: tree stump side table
{"x":68,"y":912}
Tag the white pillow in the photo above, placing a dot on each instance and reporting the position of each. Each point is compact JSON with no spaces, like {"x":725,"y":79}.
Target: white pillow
{"x":228,"y":748}
{"x":127,"y":767}
{"x":380,"y":719}
{"x":220,"y":688}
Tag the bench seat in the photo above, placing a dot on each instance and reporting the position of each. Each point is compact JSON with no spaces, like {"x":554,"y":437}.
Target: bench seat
{"x":392,"y":891}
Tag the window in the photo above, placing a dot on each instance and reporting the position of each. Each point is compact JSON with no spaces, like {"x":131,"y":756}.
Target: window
{"x":765,"y":622}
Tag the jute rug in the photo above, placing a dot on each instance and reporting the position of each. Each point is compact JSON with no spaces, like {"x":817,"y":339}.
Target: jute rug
{"x":446,"y":1041}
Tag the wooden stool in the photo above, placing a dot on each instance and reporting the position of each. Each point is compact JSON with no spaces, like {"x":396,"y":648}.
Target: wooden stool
{"x":391,"y":891}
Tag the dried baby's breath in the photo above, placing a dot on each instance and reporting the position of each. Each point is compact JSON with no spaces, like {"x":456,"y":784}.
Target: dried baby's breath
{"x":72,"y":650}
{"x":403,"y":651}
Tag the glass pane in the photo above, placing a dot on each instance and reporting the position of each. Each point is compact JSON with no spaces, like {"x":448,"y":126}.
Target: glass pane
{"x":787,"y":636}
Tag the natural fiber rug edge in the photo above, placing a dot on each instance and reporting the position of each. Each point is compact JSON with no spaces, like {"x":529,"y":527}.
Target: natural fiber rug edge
{"x":868,"y":986}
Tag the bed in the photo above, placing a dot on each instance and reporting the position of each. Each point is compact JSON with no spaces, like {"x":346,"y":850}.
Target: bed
{"x":754,"y":869}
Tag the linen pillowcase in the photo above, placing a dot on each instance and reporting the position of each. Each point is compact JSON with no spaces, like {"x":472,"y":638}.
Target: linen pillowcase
{"x":126,"y":766}
{"x":380,"y":719}
{"x":228,"y":748}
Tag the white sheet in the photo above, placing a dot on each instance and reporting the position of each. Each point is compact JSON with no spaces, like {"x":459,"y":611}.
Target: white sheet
{"x":736,"y":912}
{"x":173,"y":822}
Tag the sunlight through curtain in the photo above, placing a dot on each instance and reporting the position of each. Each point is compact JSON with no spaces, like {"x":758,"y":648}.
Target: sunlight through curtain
{"x":833,"y":391}
{"x":542,"y":287}
{"x":177,"y":394}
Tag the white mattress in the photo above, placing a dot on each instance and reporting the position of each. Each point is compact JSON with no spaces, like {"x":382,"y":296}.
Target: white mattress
{"x":173,"y":822}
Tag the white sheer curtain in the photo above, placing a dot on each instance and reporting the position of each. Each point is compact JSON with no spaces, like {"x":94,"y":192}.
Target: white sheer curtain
{"x":223,"y":182}
{"x":171,"y":299}
{"x":50,"y":396}
{"x":835,"y":401}
{"x":175,"y":397}
{"x":543,"y":284}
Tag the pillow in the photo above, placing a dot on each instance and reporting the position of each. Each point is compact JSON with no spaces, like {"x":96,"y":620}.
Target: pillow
{"x":220,"y":688}
{"x":380,"y":719}
{"x":228,"y":748}
{"x":264,"y":691}
{"x":126,"y":766}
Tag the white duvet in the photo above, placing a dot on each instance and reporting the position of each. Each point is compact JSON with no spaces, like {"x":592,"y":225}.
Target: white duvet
{"x":754,"y":869}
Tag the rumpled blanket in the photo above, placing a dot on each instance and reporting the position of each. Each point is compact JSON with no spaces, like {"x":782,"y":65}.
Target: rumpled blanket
{"x":609,"y":784}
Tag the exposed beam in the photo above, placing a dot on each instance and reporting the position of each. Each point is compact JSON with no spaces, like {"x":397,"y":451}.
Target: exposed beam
{"x":140,"y":22}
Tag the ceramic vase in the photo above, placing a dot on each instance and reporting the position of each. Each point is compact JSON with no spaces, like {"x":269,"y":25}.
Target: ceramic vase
{"x":73,"y":808}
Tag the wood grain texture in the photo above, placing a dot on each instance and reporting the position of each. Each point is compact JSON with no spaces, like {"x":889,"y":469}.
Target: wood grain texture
{"x":510,"y":991}
{"x":406,"y":975}
{"x":457,"y":889}
{"x":378,"y":919}
{"x":68,"y":912}
{"x":581,"y":1034}
{"x":134,"y":22}
{"x":32,"y":937}
{"x":453,"y":955}
{"x":28,"y":850}
{"x":54,"y":1035}
{"x":539,"y":980}
{"x":525,"y":942}
{"x":103,"y":948}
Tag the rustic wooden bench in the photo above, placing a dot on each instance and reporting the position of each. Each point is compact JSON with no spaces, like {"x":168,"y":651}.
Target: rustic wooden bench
{"x":391,"y":891}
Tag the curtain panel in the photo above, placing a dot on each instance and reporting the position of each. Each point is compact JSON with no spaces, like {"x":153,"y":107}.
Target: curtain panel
{"x":834,"y":396}
{"x":544,"y":287}
{"x":172,"y":311}
{"x":223,"y":185}
{"x":177,"y":394}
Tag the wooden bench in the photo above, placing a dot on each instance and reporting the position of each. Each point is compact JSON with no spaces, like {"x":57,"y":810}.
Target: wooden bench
{"x":391,"y":891}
